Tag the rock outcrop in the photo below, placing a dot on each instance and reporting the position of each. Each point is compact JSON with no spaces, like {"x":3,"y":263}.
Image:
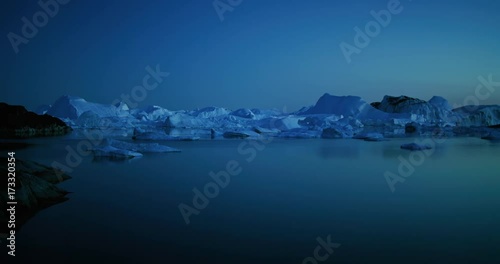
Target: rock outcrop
{"x":35,"y":189}
{"x":17,"y":122}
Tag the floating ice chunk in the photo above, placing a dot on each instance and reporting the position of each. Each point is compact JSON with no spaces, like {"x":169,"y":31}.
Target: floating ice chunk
{"x":140,"y":147}
{"x":415,"y":146}
{"x":112,"y":152}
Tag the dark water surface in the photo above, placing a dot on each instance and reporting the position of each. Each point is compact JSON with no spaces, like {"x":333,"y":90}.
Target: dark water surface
{"x":288,"y":195}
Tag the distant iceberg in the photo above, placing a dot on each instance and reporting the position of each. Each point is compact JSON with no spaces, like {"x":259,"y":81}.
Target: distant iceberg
{"x":330,"y":117}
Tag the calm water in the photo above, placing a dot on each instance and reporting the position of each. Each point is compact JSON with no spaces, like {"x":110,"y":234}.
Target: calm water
{"x":293,"y":191}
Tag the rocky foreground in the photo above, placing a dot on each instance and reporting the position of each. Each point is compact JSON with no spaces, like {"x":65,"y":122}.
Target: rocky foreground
{"x":36,"y":188}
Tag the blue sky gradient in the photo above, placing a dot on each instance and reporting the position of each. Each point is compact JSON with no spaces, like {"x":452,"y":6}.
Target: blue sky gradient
{"x":266,"y":54}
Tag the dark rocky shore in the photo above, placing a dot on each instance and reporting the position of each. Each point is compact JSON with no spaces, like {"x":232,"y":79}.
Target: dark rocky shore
{"x":17,"y":122}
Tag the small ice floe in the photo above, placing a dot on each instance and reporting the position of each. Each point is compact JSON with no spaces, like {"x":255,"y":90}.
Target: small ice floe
{"x":415,"y":146}
{"x":115,"y":149}
{"x":114,"y":153}
{"x":140,"y":147}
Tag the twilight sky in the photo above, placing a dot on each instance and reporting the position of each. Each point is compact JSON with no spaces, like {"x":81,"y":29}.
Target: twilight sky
{"x":265,"y":53}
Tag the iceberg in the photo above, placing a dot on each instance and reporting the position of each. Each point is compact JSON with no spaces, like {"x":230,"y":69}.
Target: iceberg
{"x":330,"y":117}
{"x":484,"y":115}
{"x":353,"y":107}
{"x":72,"y":107}
{"x":436,"y":110}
